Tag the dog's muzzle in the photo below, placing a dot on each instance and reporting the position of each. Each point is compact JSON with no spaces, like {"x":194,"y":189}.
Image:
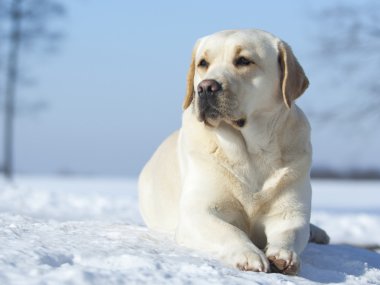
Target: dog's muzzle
{"x":208,"y":91}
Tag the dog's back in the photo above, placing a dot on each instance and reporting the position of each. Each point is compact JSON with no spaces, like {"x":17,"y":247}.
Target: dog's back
{"x":159,"y":187}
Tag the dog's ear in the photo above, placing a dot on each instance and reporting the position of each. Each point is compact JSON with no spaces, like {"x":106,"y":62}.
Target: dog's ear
{"x":293,"y":81}
{"x":190,"y":79}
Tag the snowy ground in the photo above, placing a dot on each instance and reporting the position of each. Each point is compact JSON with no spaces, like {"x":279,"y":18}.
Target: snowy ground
{"x":88,"y":231}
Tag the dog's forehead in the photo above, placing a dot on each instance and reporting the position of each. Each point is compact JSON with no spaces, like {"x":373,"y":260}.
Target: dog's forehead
{"x":260,"y":41}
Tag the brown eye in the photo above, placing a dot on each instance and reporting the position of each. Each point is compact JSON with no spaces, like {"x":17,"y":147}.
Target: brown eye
{"x":242,"y":61}
{"x":203,"y":63}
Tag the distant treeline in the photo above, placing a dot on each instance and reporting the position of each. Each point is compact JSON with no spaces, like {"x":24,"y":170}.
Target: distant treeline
{"x":325,"y":172}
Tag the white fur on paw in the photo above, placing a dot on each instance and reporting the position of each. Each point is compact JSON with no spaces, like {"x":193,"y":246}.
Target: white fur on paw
{"x":249,"y":260}
{"x":283,"y":261}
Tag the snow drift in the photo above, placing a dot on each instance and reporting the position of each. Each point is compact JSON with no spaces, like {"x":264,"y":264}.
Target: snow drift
{"x":58,"y":230}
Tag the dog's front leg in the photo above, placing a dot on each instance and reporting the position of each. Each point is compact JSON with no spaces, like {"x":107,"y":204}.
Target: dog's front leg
{"x":287,"y":227}
{"x":204,"y":226}
{"x":286,"y":239}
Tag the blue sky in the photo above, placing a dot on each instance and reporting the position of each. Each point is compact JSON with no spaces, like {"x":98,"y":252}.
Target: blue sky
{"x":115,"y":87}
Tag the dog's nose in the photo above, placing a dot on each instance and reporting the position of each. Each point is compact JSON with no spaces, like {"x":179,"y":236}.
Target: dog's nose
{"x":208,"y":87}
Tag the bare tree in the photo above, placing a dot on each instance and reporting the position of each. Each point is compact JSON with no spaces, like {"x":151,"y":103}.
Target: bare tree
{"x":349,"y":43}
{"x":10,"y":86}
{"x":27,"y":27}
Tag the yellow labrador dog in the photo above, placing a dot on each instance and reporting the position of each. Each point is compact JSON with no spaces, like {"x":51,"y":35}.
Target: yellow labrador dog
{"x":234,"y":180}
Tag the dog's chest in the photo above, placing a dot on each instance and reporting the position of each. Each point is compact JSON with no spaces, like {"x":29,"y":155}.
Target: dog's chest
{"x":250,"y":173}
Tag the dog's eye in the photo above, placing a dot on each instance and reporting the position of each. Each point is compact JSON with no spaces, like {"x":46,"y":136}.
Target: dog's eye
{"x":203,"y":63}
{"x":242,"y":61}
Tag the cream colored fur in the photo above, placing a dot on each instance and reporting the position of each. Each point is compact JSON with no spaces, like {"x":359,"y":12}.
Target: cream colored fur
{"x":242,"y":194}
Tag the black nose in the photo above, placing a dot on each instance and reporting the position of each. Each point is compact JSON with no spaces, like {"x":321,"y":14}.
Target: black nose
{"x":208,"y":87}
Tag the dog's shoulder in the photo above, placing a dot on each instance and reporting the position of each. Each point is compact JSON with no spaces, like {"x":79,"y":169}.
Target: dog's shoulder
{"x":296,"y":149}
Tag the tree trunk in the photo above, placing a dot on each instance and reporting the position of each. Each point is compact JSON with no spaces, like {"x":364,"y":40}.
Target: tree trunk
{"x":10,"y":87}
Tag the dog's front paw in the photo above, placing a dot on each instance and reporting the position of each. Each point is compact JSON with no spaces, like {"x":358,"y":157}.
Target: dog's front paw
{"x":283,"y":261}
{"x":248,"y":260}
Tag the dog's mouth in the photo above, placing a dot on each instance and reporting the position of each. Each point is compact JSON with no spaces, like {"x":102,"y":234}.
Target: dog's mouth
{"x":212,"y":111}
{"x":212,"y":118}
{"x":240,"y":123}
{"x":208,"y":111}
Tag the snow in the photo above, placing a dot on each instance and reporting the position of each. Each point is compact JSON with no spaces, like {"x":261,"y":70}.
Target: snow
{"x":57,"y":230}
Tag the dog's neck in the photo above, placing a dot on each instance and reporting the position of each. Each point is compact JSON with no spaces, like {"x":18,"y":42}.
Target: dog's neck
{"x":261,"y":130}
{"x":258,"y":137}
{"x":255,"y":145}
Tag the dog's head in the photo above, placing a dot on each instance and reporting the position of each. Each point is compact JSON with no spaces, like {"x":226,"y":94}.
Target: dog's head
{"x":235,"y":74}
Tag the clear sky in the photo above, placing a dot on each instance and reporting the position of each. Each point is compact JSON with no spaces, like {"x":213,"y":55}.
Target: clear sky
{"x":115,"y":87}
